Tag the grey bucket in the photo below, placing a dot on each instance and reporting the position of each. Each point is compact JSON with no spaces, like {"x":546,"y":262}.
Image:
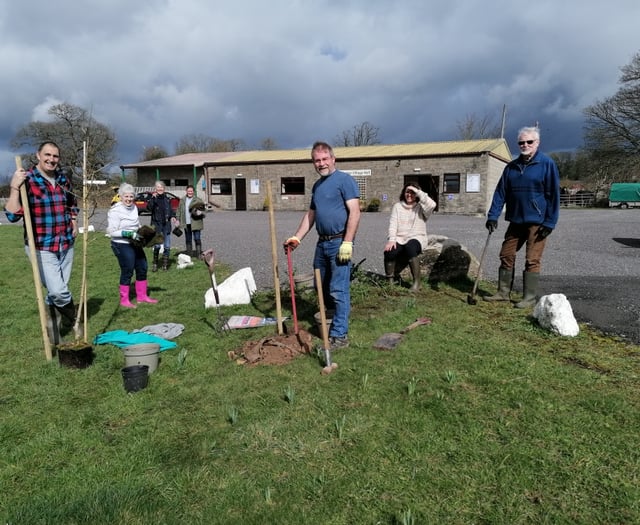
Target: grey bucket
{"x":318,"y":319}
{"x":303,"y":281}
{"x":142,"y":354}
{"x":135,"y":377}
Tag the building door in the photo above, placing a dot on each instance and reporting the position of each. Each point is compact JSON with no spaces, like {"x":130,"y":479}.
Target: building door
{"x":241,"y":194}
{"x":428,"y":184}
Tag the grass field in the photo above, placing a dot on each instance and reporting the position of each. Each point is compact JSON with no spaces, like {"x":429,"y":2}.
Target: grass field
{"x":480,"y":417}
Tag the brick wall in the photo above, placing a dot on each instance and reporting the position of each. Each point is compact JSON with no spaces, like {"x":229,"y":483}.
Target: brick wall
{"x":385,"y":181}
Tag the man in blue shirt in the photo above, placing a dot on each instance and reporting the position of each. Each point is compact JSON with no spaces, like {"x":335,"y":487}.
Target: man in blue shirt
{"x":335,"y":211}
{"x":530,"y":189}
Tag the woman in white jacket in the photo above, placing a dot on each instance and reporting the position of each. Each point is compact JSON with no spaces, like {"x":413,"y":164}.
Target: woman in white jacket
{"x":407,"y":233}
{"x":123,"y":225}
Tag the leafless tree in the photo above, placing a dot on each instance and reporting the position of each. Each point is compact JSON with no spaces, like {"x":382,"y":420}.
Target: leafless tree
{"x":77,"y":134}
{"x":364,"y":134}
{"x":70,"y":127}
{"x":474,"y":127}
{"x":268,"y":144}
{"x":612,"y":129}
{"x":199,"y":143}
{"x":153,"y":153}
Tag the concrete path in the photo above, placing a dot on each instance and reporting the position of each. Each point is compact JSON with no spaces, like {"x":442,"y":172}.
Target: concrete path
{"x":593,"y":256}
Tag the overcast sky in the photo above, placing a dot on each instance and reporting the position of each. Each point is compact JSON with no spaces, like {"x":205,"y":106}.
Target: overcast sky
{"x":302,"y":70}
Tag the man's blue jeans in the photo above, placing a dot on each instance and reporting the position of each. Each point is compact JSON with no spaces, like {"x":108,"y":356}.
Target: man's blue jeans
{"x":55,"y":272}
{"x":336,"y":282}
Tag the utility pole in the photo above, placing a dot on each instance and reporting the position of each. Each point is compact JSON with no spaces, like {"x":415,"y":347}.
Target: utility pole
{"x":504,"y":117}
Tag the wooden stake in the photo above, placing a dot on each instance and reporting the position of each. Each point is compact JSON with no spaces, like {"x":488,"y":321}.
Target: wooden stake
{"x":329,"y":366}
{"x":85,"y":238}
{"x":34,"y":265}
{"x":274,"y":259}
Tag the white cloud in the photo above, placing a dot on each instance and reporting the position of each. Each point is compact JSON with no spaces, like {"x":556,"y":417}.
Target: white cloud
{"x":41,"y":111}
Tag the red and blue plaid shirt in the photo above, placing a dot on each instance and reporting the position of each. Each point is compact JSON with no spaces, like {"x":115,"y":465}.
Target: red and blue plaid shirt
{"x":52,"y":209}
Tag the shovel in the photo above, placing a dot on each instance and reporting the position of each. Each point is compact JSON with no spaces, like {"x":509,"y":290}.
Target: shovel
{"x":471,"y":298}
{"x":329,"y":366}
{"x":391,"y":340}
{"x":208,"y":256}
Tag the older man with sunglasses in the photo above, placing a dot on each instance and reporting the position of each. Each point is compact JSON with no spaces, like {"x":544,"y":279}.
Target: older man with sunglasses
{"x":530,"y":189}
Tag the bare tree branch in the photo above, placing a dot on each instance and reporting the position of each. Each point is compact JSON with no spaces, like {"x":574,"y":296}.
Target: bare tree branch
{"x":364,"y":134}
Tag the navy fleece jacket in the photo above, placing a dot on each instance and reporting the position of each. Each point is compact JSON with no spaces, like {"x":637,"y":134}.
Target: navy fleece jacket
{"x":530,"y":191}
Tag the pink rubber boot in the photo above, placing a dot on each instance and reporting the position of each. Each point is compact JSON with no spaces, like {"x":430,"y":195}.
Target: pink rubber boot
{"x":141,"y":293}
{"x":124,"y":296}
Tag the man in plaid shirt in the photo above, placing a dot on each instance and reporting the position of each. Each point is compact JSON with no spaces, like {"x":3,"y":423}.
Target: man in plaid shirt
{"x":54,"y":213}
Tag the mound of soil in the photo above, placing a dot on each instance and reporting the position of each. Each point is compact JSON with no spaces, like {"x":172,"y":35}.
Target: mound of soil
{"x":273,"y":350}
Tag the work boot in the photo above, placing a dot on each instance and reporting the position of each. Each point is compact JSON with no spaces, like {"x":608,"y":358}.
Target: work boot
{"x":189,"y":249}
{"x":390,"y":270}
{"x":505,"y":281}
{"x":68,"y":312}
{"x":124,"y":296}
{"x":156,"y":254}
{"x":336,"y":343}
{"x":414,"y":266}
{"x":530,"y":289}
{"x":165,"y":260}
{"x":54,"y":321}
{"x":141,"y":293}
{"x":198,"y":249}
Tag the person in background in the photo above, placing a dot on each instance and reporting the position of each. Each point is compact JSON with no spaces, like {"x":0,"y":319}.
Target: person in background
{"x":191,"y":212}
{"x":335,"y":211}
{"x":163,"y":220}
{"x":122,"y":227}
{"x":116,"y":196}
{"x":530,"y":189}
{"x":407,"y":235}
{"x":54,"y":216}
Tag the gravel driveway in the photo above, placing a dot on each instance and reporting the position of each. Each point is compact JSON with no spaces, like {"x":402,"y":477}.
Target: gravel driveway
{"x":592,"y":256}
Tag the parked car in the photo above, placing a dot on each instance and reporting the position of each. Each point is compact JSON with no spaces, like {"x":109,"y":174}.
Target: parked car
{"x":142,"y":200}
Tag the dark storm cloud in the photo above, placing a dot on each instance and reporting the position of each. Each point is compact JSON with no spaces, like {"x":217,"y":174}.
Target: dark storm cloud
{"x":297,"y":71}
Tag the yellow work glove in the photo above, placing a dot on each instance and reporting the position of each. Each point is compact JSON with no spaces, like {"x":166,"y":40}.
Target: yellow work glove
{"x":345,"y":252}
{"x":292,"y":242}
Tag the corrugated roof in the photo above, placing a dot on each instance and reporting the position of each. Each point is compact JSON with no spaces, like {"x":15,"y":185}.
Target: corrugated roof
{"x":495,"y":147}
{"x":188,"y":159}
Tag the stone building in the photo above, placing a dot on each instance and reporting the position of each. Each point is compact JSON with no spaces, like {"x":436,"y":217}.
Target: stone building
{"x":459,"y":175}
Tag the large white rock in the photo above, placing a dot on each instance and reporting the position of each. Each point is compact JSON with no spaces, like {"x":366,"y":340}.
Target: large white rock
{"x":554,"y":313}
{"x":236,"y":289}
{"x":184,"y":261}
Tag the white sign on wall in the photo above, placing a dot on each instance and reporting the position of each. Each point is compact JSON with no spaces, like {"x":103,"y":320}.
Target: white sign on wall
{"x":358,"y":173}
{"x":473,"y":182}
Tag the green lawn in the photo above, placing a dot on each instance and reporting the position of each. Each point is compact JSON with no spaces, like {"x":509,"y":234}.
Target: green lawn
{"x":481,"y":417}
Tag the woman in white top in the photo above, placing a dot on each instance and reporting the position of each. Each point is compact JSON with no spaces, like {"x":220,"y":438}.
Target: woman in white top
{"x":407,"y":233}
{"x":123,"y":225}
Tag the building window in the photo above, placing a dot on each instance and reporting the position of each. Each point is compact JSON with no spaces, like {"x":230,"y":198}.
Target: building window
{"x":451,"y":183}
{"x":181,"y":182}
{"x":220,"y":186}
{"x":292,"y":185}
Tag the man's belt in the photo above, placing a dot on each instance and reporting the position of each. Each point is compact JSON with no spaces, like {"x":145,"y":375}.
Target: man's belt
{"x":323,"y":238}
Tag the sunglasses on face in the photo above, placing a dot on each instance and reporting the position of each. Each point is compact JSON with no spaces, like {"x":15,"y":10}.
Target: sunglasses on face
{"x":523,"y":142}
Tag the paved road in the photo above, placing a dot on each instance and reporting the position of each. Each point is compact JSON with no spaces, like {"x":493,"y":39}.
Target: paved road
{"x":592,"y":257}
